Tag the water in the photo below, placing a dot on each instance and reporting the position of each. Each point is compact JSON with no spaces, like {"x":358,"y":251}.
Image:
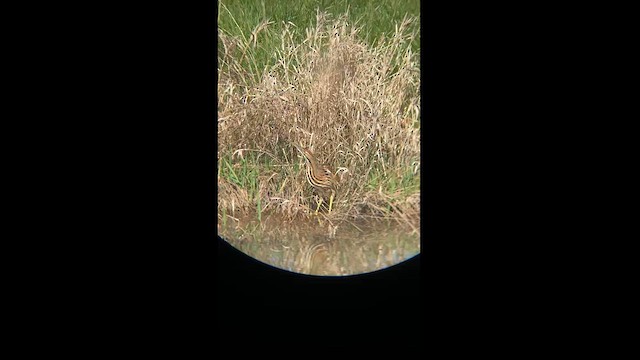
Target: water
{"x":318,"y":245}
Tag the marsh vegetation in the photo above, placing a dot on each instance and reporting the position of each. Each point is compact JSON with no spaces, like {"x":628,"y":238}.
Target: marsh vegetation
{"x":344,"y":85}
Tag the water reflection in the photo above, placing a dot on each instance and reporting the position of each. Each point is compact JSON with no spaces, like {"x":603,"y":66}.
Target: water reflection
{"x":320,"y":246}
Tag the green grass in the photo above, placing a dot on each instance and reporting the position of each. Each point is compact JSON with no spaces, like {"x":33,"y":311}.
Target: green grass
{"x":241,"y":18}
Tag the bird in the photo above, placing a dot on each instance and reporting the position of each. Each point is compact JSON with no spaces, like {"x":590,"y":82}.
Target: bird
{"x":319,"y":176}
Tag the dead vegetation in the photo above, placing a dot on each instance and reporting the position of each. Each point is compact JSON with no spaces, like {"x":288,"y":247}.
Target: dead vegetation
{"x":356,"y":105}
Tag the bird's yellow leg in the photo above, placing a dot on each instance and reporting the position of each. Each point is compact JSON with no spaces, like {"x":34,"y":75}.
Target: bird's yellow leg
{"x":318,"y":208}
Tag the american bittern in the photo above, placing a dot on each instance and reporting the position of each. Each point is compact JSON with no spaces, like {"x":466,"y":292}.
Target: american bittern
{"x":319,"y":176}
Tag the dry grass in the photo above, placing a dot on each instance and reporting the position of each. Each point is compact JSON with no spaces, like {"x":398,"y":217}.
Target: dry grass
{"x":356,"y":105}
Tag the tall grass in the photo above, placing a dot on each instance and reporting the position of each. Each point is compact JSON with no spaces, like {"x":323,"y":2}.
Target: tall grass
{"x":321,"y":84}
{"x":241,"y":18}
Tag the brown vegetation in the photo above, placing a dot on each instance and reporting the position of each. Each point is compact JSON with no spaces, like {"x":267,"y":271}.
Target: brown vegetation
{"x":356,"y":105}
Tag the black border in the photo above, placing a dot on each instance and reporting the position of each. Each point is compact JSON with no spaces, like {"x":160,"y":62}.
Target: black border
{"x":145,"y":265}
{"x":382,"y":306}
